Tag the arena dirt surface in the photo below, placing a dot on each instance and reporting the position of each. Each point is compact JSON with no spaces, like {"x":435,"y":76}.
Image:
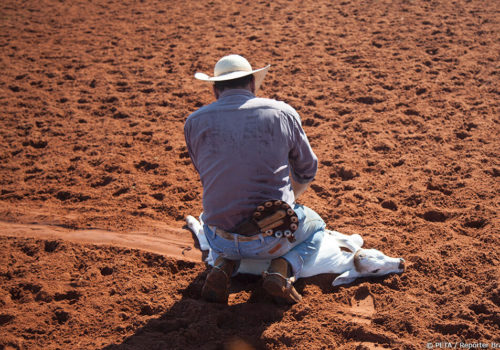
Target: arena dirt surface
{"x":399,"y":99}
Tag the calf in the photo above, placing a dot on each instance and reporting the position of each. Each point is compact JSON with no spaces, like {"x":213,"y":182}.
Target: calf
{"x":349,"y":263}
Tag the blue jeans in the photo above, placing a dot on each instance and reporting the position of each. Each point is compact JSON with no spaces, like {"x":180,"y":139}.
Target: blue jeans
{"x":308,"y":239}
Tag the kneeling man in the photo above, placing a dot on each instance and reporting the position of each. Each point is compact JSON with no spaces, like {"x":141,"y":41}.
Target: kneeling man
{"x":254,"y":161}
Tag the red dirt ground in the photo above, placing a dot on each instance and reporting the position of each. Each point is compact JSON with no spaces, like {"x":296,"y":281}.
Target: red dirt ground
{"x":399,"y":99}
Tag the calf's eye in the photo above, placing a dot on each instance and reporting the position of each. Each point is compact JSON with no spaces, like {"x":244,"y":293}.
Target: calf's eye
{"x":375,"y":271}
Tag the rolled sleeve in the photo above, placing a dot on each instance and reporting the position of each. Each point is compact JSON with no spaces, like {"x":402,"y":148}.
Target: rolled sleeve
{"x":303,"y":161}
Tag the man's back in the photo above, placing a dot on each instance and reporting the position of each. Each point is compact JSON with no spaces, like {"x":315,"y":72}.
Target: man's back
{"x":243,"y":147}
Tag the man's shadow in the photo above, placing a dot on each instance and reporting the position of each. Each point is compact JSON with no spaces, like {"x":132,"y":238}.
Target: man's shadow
{"x":192,"y":323}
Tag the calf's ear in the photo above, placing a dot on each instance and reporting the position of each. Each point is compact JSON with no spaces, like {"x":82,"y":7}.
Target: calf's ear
{"x":346,"y":278}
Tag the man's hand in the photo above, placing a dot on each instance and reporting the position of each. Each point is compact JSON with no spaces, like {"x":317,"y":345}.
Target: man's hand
{"x":298,"y":188}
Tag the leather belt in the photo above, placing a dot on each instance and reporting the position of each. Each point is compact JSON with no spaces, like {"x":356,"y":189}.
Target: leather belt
{"x":271,"y":218}
{"x":230,"y":236}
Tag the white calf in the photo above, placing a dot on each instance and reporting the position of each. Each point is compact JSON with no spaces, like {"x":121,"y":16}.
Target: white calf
{"x":330,"y":258}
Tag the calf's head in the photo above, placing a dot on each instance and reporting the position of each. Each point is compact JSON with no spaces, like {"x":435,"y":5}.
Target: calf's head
{"x":369,"y":263}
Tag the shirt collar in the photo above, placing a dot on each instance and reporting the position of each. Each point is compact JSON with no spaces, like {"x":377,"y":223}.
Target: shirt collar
{"x":234,"y":92}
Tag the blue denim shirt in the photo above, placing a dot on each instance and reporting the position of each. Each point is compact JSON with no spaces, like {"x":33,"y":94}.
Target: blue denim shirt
{"x":244,"y":149}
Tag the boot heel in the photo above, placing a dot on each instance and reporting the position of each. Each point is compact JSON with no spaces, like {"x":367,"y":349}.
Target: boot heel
{"x":277,"y":285}
{"x":216,"y":287}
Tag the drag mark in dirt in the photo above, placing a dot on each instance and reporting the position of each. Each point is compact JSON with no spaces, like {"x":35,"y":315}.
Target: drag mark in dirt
{"x":168,"y":244}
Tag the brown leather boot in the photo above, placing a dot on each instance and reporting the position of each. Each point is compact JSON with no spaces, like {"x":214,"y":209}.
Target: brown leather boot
{"x":216,"y":287}
{"x":277,"y":282}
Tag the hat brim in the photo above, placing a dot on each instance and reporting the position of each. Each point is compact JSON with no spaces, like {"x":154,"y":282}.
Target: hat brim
{"x":258,"y":74}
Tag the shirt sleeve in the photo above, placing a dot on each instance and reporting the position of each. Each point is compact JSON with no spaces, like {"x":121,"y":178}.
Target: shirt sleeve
{"x":303,"y":161}
{"x":188,"y":143}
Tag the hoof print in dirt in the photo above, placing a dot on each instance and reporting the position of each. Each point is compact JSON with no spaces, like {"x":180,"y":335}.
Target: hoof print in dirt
{"x":476,"y":223}
{"x":72,"y":296}
{"x":121,"y":191}
{"x":43,"y":296}
{"x":38,"y":143}
{"x":382,"y":147}
{"x":449,"y":328}
{"x":318,"y":189}
{"x":158,"y":196}
{"x":184,"y":155}
{"x":30,"y":287}
{"x":120,"y":115}
{"x":147,"y":310}
{"x":344,"y":174}
{"x":145,"y":165}
{"x":66,"y":195}
{"x":398,"y":163}
{"x":462,"y":135}
{"x":110,"y":99}
{"x":61,"y":316}
{"x":369,"y":100}
{"x":106,"y":271}
{"x":51,"y":246}
{"x":30,"y":249}
{"x":6,"y":318}
{"x":434,"y":216}
{"x":494,"y":172}
{"x":63,"y":195}
{"x":389,"y":204}
{"x":106,"y":180}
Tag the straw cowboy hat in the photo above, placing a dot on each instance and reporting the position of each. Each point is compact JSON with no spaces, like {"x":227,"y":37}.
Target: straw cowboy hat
{"x":233,"y":67}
